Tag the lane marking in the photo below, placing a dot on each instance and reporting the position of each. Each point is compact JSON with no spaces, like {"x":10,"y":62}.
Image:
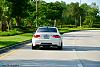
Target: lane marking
{"x":46,"y":65}
{"x":74,"y":50}
{"x":10,"y":53}
{"x":80,"y":65}
{"x":29,"y":44}
{"x":7,"y":54}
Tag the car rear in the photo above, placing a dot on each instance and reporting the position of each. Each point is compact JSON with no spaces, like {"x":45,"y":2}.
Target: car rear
{"x":47,"y":37}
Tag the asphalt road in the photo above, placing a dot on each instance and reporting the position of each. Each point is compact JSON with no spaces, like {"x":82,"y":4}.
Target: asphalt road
{"x":80,"y":49}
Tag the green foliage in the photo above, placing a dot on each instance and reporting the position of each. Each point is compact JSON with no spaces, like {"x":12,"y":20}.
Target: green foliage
{"x":20,"y":9}
{"x":54,"y":10}
{"x":91,"y":14}
{"x":22,"y":13}
{"x":72,"y":13}
{"x":10,"y":33}
{"x":48,"y":12}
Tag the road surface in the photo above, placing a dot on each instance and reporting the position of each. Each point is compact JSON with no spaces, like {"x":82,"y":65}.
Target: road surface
{"x":80,"y":49}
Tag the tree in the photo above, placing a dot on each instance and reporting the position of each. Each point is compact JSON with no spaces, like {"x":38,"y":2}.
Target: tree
{"x":54,"y":11}
{"x":83,"y":11}
{"x":72,"y":13}
{"x":3,"y":14}
{"x":19,"y":10}
{"x":90,"y":17}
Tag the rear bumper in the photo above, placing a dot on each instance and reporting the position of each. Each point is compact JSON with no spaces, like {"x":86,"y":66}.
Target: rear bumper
{"x":44,"y":42}
{"x":47,"y":46}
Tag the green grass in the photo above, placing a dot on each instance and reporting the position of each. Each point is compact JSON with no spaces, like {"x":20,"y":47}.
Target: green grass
{"x":12,"y":40}
{"x":65,"y":30}
{"x":10,"y":33}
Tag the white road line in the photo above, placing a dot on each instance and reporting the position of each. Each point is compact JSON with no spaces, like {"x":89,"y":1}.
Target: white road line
{"x":74,"y":50}
{"x":46,"y":65}
{"x":80,"y":65}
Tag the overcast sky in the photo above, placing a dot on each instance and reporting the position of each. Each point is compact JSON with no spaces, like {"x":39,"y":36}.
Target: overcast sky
{"x":82,"y":1}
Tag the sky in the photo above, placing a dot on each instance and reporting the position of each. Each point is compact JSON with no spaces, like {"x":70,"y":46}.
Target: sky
{"x":82,"y":1}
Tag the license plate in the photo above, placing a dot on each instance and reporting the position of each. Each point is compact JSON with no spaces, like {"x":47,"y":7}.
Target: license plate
{"x":46,"y":43}
{"x":46,"y":36}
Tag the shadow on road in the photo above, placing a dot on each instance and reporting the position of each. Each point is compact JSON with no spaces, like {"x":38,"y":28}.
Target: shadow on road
{"x":78,"y":35}
{"x":48,"y":63}
{"x":81,"y":48}
{"x":68,"y":48}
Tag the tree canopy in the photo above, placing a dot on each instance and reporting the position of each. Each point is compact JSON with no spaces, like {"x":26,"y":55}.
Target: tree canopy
{"x":22,"y":13}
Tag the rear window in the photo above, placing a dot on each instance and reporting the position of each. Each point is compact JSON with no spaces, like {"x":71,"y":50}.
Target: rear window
{"x":47,"y":30}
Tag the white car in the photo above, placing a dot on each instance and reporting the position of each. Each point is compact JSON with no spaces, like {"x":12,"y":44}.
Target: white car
{"x":47,"y":37}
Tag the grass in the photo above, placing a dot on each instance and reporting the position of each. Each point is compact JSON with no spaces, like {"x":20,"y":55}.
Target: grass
{"x":10,"y":33}
{"x":65,"y":30}
{"x":12,"y":40}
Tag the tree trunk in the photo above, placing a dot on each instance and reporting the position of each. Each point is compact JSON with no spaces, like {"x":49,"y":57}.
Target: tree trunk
{"x":3,"y":24}
{"x":18,"y":20}
{"x":54,"y":23}
{"x":8,"y":24}
{"x":75,"y":22}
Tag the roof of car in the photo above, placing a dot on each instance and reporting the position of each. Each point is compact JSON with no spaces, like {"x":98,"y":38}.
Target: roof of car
{"x":47,"y":27}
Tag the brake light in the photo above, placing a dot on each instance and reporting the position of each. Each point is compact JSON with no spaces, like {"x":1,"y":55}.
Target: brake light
{"x":56,"y":36}
{"x":36,"y":36}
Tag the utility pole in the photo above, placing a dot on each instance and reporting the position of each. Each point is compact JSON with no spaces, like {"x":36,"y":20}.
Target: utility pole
{"x":80,"y":17}
{"x":36,"y":12}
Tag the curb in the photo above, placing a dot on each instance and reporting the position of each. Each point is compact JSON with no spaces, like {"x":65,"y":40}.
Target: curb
{"x":16,"y":46}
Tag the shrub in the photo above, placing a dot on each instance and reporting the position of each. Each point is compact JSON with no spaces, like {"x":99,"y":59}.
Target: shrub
{"x":10,"y":33}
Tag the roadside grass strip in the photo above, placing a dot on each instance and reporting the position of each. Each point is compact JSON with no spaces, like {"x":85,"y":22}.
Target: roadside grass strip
{"x":6,"y":41}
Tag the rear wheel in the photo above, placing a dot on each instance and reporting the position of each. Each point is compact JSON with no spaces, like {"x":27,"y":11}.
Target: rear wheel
{"x":60,"y":47}
{"x":33,"y":47}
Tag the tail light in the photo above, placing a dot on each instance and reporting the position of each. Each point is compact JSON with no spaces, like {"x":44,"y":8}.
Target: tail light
{"x":36,"y":36}
{"x":56,"y":36}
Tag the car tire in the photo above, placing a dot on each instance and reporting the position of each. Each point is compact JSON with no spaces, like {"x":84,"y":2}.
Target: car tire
{"x":33,"y":47}
{"x":60,"y":47}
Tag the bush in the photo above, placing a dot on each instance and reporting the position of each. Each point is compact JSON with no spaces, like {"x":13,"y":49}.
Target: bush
{"x":10,"y":33}
{"x":25,"y":29}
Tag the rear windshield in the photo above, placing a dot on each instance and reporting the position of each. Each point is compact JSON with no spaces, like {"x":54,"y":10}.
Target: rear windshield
{"x":47,"y":30}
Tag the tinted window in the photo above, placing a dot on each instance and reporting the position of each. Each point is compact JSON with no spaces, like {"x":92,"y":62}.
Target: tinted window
{"x":47,"y":30}
{"x":52,"y":30}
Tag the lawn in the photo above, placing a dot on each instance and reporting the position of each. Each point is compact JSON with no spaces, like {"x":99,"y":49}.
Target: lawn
{"x":65,"y":30}
{"x":11,"y":40}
